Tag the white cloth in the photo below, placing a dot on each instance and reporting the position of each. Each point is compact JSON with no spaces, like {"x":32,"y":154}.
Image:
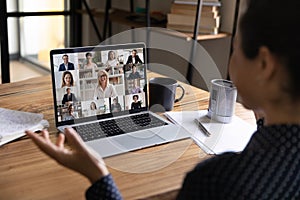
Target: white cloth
{"x":109,"y":91}
{"x":91,"y":66}
{"x":112,"y":63}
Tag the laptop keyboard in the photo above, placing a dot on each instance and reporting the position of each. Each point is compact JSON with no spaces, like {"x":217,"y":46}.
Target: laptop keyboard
{"x":118,"y":126}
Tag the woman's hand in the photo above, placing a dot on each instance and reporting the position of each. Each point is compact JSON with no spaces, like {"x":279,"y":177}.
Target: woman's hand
{"x":80,"y":158}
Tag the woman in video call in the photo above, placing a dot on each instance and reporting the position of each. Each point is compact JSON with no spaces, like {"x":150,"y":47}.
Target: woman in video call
{"x":136,"y":104}
{"x":89,"y":62}
{"x":67,"y":79}
{"x":93,"y":108}
{"x":111,"y":61}
{"x":135,"y":88}
{"x":104,"y":89}
{"x":265,"y":68}
{"x":70,"y":114}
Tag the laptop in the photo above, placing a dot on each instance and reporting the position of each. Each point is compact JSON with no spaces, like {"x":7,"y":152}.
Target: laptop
{"x":101,"y":91}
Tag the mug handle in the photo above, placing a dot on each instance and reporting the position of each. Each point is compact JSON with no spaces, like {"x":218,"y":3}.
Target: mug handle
{"x":182,"y":95}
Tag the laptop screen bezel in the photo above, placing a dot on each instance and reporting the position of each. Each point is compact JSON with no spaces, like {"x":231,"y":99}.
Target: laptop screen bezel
{"x":90,"y":49}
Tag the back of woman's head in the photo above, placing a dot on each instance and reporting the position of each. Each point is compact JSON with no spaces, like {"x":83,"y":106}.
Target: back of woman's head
{"x":272,"y":23}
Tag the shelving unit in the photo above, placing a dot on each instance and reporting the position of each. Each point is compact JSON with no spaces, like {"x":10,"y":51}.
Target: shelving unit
{"x":218,"y":46}
{"x":119,"y":16}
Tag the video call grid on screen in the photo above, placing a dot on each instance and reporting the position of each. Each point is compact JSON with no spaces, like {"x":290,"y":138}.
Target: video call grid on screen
{"x":76,"y":88}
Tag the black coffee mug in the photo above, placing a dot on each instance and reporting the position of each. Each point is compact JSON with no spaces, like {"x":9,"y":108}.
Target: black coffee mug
{"x":162,"y":92}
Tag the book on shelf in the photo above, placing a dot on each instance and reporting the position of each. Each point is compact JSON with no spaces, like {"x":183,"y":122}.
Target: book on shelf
{"x":182,"y":17}
{"x":190,"y":29}
{"x":192,"y":8}
{"x":195,"y":2}
{"x":209,"y":13}
{"x":205,"y":22}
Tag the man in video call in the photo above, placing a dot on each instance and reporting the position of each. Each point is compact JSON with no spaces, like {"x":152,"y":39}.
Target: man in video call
{"x":69,"y":97}
{"x":133,"y":58}
{"x":66,"y":65}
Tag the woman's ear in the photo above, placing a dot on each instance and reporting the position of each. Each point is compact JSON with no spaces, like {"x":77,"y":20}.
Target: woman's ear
{"x":267,"y":64}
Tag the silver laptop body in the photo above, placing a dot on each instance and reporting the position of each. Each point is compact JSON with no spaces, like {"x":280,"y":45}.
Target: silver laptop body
{"x":80,"y":101}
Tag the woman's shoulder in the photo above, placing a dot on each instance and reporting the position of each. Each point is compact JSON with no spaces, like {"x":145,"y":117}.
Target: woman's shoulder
{"x":97,"y":87}
{"x":109,"y":85}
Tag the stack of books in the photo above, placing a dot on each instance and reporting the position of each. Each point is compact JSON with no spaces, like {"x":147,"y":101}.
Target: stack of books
{"x":182,"y":16}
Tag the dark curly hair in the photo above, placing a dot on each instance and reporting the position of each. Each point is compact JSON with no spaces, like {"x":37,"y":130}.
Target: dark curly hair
{"x":137,"y":96}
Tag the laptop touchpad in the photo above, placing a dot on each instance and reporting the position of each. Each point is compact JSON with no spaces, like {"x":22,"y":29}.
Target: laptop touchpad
{"x":135,"y":141}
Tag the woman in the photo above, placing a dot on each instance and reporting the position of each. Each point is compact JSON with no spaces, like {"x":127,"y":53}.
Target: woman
{"x":135,"y":89}
{"x":70,"y":114}
{"x":136,"y":104}
{"x":265,"y":69}
{"x":93,"y":108}
{"x":111,"y":61}
{"x":67,"y":79}
{"x":89,"y":62}
{"x":104,"y":89}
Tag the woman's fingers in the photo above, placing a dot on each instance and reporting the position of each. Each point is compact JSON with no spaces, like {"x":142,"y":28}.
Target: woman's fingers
{"x":44,"y":143}
{"x":60,"y":140}
{"x":45,"y":134}
{"x":74,"y":140}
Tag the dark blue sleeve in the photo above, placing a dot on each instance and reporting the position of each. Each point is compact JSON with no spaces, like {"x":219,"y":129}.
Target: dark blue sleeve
{"x":104,"y":188}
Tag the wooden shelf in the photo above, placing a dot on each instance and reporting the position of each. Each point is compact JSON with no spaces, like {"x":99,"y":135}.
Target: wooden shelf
{"x":189,"y":36}
{"x":121,"y":17}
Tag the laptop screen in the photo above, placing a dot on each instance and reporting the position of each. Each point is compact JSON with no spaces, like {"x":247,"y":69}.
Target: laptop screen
{"x":98,"y":82}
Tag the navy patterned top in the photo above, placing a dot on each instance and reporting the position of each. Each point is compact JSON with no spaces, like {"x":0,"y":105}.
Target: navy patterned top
{"x":104,"y":189}
{"x":268,"y":168}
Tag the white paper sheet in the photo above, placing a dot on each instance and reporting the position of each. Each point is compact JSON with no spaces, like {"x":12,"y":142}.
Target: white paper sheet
{"x":231,"y":137}
{"x":13,"y":123}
